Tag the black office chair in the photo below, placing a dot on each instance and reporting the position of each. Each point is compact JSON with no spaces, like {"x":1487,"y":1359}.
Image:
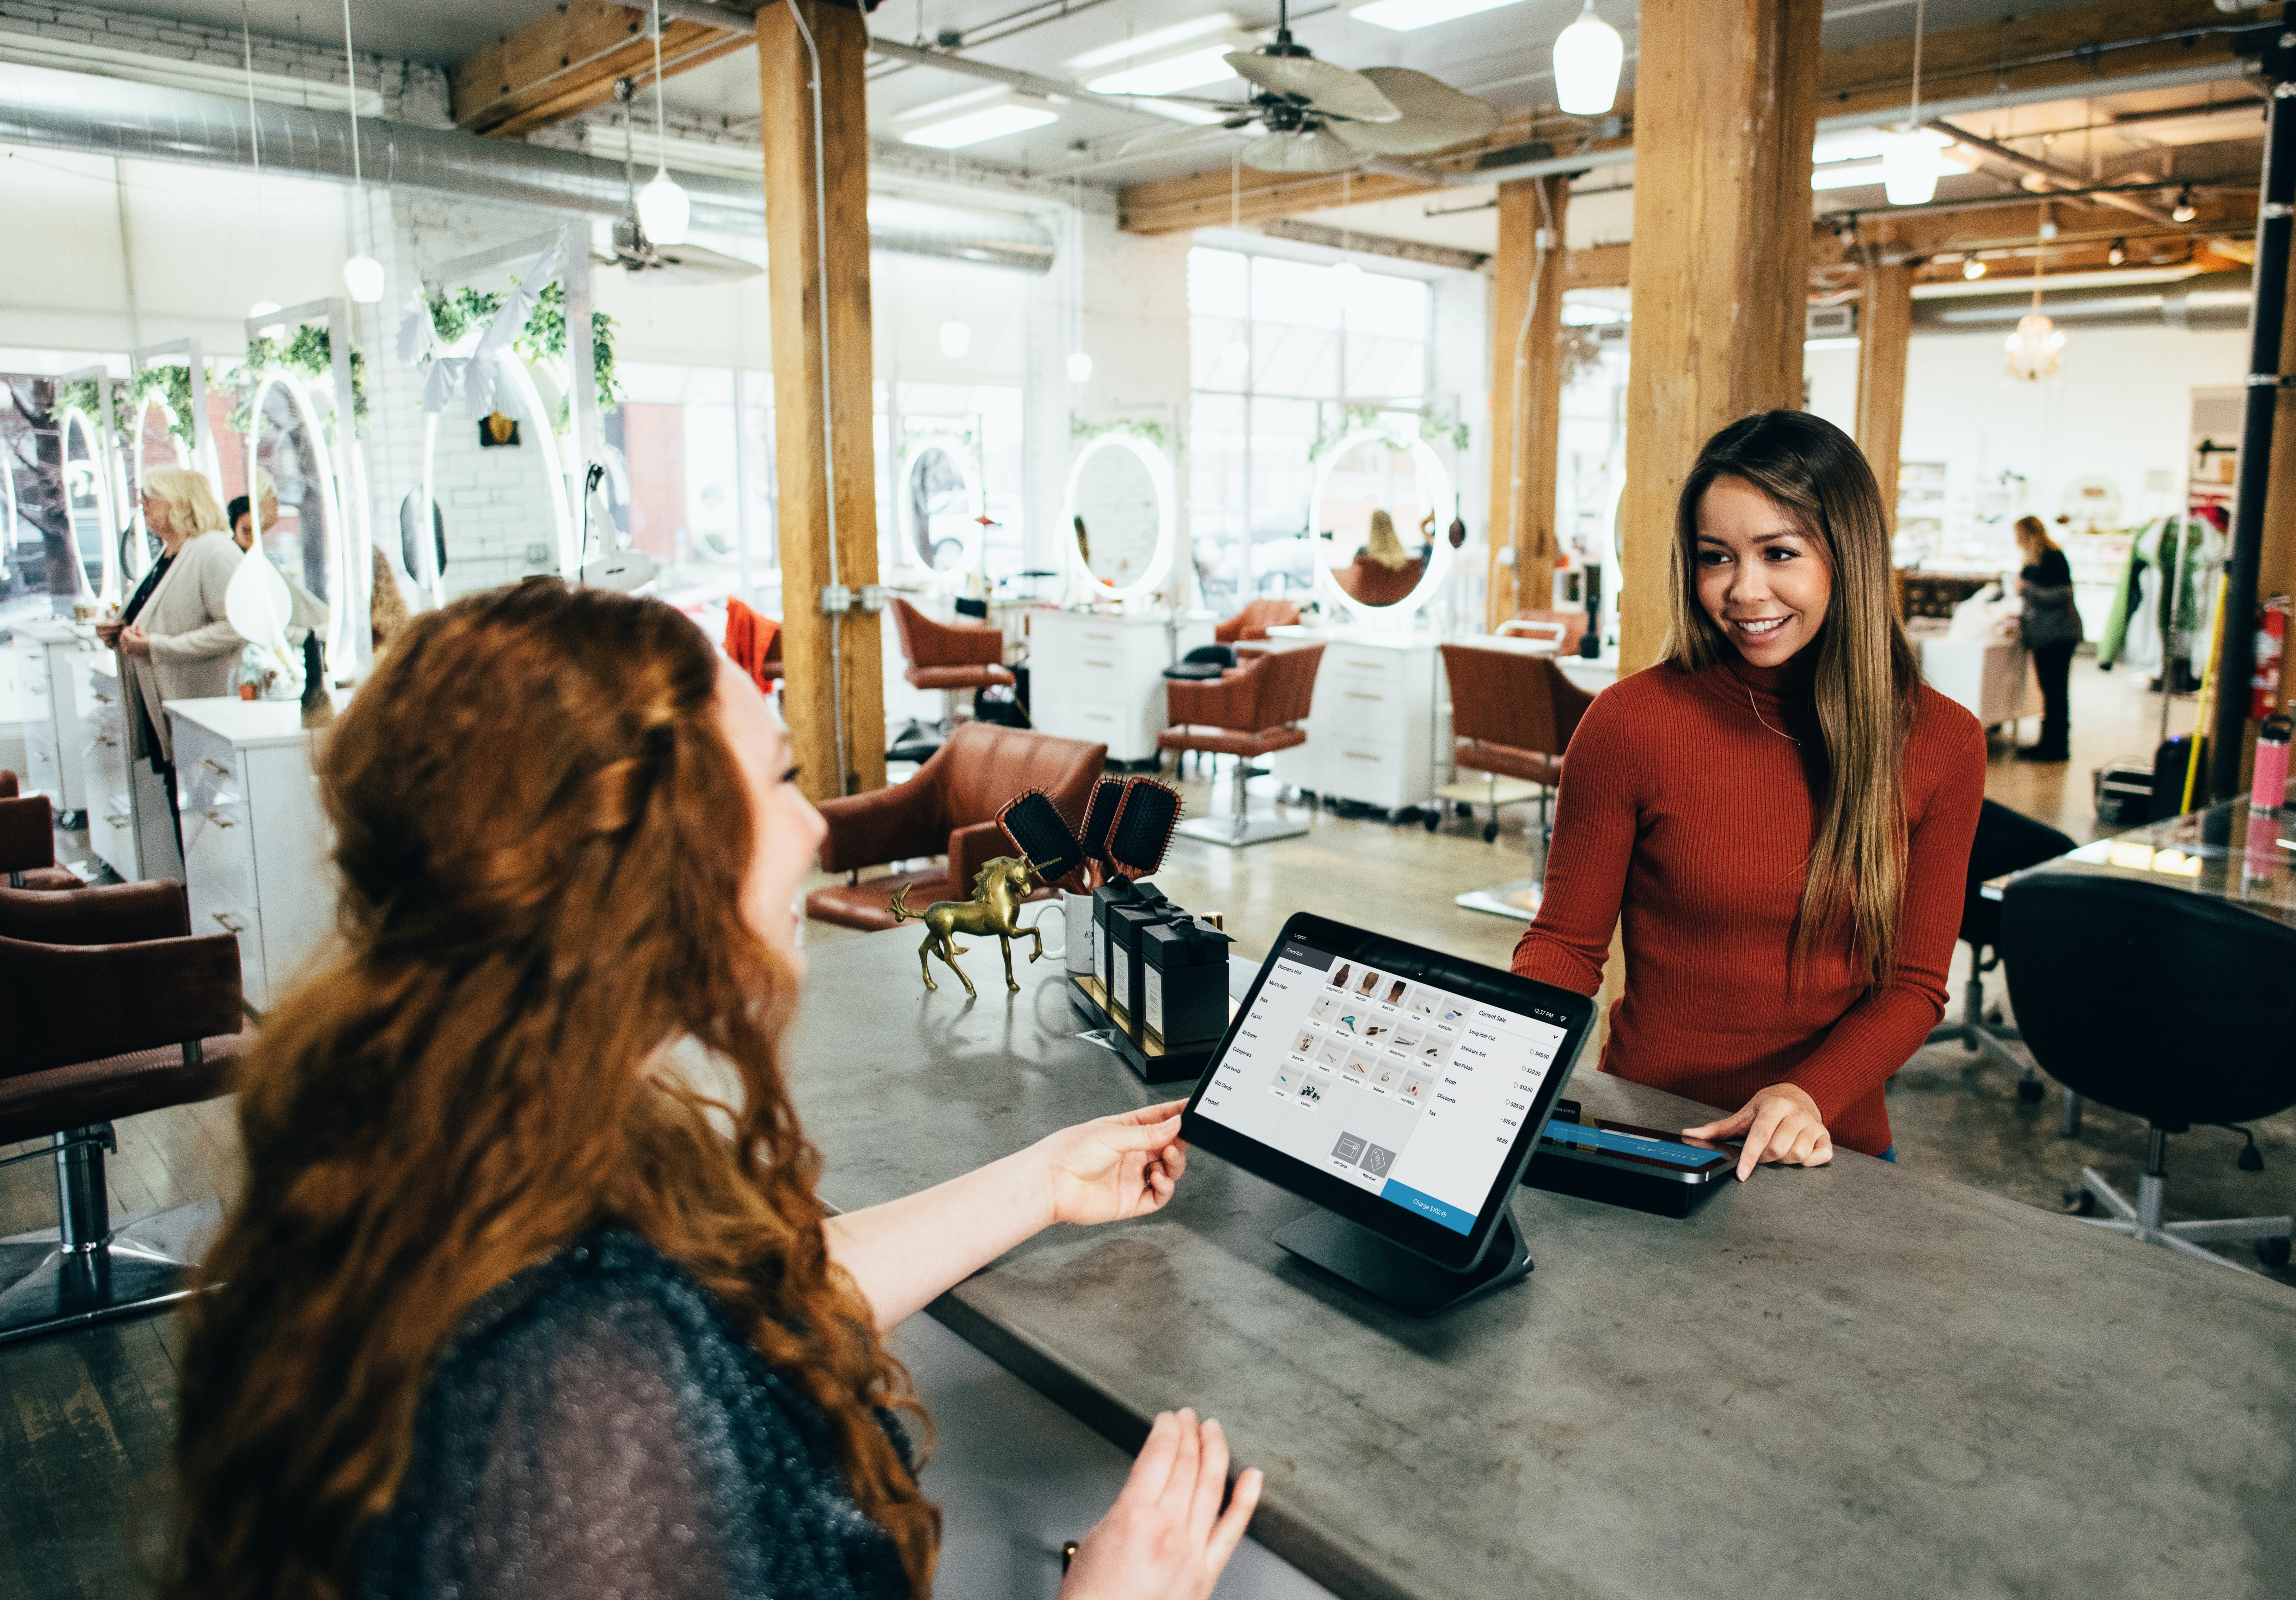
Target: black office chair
{"x":2162,"y":1002}
{"x":2006,"y":841}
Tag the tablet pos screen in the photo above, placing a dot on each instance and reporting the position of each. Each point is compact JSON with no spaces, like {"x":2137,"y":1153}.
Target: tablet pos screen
{"x":1400,"y":1086}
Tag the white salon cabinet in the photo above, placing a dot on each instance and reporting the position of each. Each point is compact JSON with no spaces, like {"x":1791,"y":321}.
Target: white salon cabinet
{"x":51,"y":658}
{"x":1100,"y":679}
{"x":1376,"y":723}
{"x":255,"y":836}
{"x":128,"y":826}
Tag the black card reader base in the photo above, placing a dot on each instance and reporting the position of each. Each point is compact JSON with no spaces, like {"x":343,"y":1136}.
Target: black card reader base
{"x":1404,"y":1279}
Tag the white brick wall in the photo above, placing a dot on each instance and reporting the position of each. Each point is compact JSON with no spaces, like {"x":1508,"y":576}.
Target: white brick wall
{"x":411,"y":92}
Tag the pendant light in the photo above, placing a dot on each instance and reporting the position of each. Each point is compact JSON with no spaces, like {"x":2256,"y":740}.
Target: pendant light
{"x":363,"y":275}
{"x":1079,"y":368}
{"x":2034,"y":347}
{"x":663,"y":209}
{"x":1909,"y":160}
{"x":1588,"y":56}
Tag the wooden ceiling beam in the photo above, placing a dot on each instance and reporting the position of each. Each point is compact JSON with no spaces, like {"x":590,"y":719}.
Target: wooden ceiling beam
{"x":2084,"y":48}
{"x":567,"y":64}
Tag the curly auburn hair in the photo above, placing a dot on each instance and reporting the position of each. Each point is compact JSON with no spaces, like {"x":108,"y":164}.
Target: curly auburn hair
{"x":543,"y":836}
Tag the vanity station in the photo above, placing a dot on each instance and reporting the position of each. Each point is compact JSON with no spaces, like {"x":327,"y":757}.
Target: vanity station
{"x":1663,"y":1404}
{"x":1100,"y":677}
{"x":129,"y":826}
{"x":255,"y":835}
{"x":51,"y":679}
{"x":1377,"y":726}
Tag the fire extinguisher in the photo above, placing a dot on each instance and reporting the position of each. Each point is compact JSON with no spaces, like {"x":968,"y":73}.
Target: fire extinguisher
{"x":2271,"y":646}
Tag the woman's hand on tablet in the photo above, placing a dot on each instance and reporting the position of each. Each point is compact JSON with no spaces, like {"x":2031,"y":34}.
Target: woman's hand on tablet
{"x":1113,"y":1168}
{"x":1166,"y":1537}
{"x":1780,"y":1123}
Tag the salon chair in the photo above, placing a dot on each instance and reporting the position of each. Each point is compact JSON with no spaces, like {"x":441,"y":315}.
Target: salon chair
{"x":948,"y":809}
{"x":1369,"y":583}
{"x":953,"y":658}
{"x":115,"y":1011}
{"x":2007,"y":842}
{"x":1513,"y":716}
{"x":27,"y":840}
{"x":1251,"y":710}
{"x":1567,"y":629}
{"x":2164,"y":1004}
{"x":1254,"y":620}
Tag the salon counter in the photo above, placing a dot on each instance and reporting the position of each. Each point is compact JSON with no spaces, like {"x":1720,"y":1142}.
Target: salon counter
{"x":1858,"y":1376}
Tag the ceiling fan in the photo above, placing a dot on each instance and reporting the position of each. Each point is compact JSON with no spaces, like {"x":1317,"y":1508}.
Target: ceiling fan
{"x":1318,"y":116}
{"x":663,"y":262}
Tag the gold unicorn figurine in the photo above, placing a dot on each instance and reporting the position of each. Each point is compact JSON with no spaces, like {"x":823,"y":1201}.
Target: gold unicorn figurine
{"x":995,"y":907}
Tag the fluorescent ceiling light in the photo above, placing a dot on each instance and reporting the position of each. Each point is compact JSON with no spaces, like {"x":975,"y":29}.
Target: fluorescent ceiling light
{"x":1863,"y":143}
{"x":1402,"y":16}
{"x":1192,"y":68}
{"x":1858,"y":175}
{"x":1148,"y":44}
{"x":1016,"y":115}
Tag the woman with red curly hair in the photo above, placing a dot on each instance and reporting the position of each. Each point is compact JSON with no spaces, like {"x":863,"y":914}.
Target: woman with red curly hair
{"x":510,"y":1305}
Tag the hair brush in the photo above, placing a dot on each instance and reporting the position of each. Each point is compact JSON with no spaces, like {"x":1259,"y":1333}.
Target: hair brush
{"x":1142,"y":830}
{"x":1040,"y":832}
{"x":1099,"y":818}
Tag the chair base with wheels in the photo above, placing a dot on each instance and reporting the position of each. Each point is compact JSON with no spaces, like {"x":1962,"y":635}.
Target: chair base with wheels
{"x":1240,"y":827}
{"x":2142,"y":1220}
{"x":1986,"y":1034}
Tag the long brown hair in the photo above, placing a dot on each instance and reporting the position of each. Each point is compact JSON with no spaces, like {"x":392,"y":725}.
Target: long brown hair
{"x":1866,"y":676}
{"x":543,"y":837}
{"x":2033,"y":540}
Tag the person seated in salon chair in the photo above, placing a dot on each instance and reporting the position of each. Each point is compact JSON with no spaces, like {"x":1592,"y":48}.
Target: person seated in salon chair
{"x":530,"y":1292}
{"x":1383,"y":572}
{"x":1779,"y":812}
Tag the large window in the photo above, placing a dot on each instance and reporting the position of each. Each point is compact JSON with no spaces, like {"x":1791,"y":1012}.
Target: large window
{"x":697,"y":488}
{"x":1285,"y":356}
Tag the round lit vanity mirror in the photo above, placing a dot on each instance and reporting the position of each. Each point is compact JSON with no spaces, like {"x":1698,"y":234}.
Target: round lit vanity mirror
{"x":1381,"y":505}
{"x":87,"y":502}
{"x":307,"y":541}
{"x":1120,"y":514}
{"x":940,"y":506}
{"x":517,"y":397}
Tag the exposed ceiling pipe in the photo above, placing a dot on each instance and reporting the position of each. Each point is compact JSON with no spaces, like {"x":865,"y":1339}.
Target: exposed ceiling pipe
{"x":1028,"y":83}
{"x":2055,"y":177}
{"x":2204,"y":302}
{"x":47,"y":109}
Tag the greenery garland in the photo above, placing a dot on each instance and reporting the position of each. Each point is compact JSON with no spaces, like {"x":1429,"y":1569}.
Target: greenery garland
{"x":1137,"y":427}
{"x":308,"y":353}
{"x":171,"y":384}
{"x":544,"y":336}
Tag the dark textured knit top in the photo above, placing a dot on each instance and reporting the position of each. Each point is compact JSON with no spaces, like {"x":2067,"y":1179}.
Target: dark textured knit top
{"x":599,"y":1432}
{"x":1685,"y":812}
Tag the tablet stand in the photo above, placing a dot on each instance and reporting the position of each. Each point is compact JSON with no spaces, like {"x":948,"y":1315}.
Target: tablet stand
{"x":1403,"y":1278}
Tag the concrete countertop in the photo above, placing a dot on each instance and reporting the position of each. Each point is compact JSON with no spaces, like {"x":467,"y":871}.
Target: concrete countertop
{"x":1855,"y":1379}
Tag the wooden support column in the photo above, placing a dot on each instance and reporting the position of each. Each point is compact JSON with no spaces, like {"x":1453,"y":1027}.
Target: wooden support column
{"x":1726,"y":101}
{"x":1885,"y":322}
{"x":1525,"y":393}
{"x":822,"y":441}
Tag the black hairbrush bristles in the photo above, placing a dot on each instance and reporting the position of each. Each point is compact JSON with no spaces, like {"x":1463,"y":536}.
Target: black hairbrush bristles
{"x":1040,"y":832}
{"x":1142,"y":832}
{"x":1099,"y":818}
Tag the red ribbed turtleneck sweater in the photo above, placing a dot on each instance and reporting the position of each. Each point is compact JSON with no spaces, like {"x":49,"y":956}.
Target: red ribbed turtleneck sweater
{"x":1686,"y":812}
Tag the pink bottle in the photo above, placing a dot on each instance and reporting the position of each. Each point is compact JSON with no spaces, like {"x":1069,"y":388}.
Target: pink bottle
{"x":2269,"y":791}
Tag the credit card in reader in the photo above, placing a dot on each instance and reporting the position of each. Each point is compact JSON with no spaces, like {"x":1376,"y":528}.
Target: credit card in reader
{"x":1621,"y":1164}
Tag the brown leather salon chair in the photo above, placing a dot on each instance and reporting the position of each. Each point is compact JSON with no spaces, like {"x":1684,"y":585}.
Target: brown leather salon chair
{"x":27,"y":840}
{"x":1513,"y":716}
{"x":1252,"y":711}
{"x":1565,"y":628}
{"x":949,"y":657}
{"x":1254,"y":620}
{"x":1369,"y":583}
{"x":112,"y":1009}
{"x":949,"y":808}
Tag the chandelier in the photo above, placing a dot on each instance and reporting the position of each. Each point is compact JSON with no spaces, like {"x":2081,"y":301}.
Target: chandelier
{"x":2034,"y":347}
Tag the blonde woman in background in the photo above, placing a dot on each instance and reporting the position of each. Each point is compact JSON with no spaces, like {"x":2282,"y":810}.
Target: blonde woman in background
{"x":172,"y":638}
{"x":2052,"y":631}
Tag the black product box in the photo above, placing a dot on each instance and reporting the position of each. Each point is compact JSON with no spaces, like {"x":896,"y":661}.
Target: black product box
{"x":1126,"y":923}
{"x":1184,"y":984}
{"x":1106,"y":899}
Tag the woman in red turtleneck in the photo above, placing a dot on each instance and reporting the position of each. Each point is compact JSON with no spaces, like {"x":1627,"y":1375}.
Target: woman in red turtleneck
{"x":1779,"y":813}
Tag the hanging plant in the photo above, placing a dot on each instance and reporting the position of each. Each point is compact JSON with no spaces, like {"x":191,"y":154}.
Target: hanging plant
{"x":171,"y":384}
{"x":542,"y":339}
{"x":308,"y":353}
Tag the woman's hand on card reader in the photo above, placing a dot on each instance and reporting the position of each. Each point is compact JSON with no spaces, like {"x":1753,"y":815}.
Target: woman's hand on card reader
{"x":1780,"y":1123}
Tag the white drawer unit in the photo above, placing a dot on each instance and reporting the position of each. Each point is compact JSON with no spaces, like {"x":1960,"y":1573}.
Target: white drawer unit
{"x":1102,"y":678}
{"x":255,"y":836}
{"x":49,"y":677}
{"x":128,"y":826}
{"x":1376,"y":725}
